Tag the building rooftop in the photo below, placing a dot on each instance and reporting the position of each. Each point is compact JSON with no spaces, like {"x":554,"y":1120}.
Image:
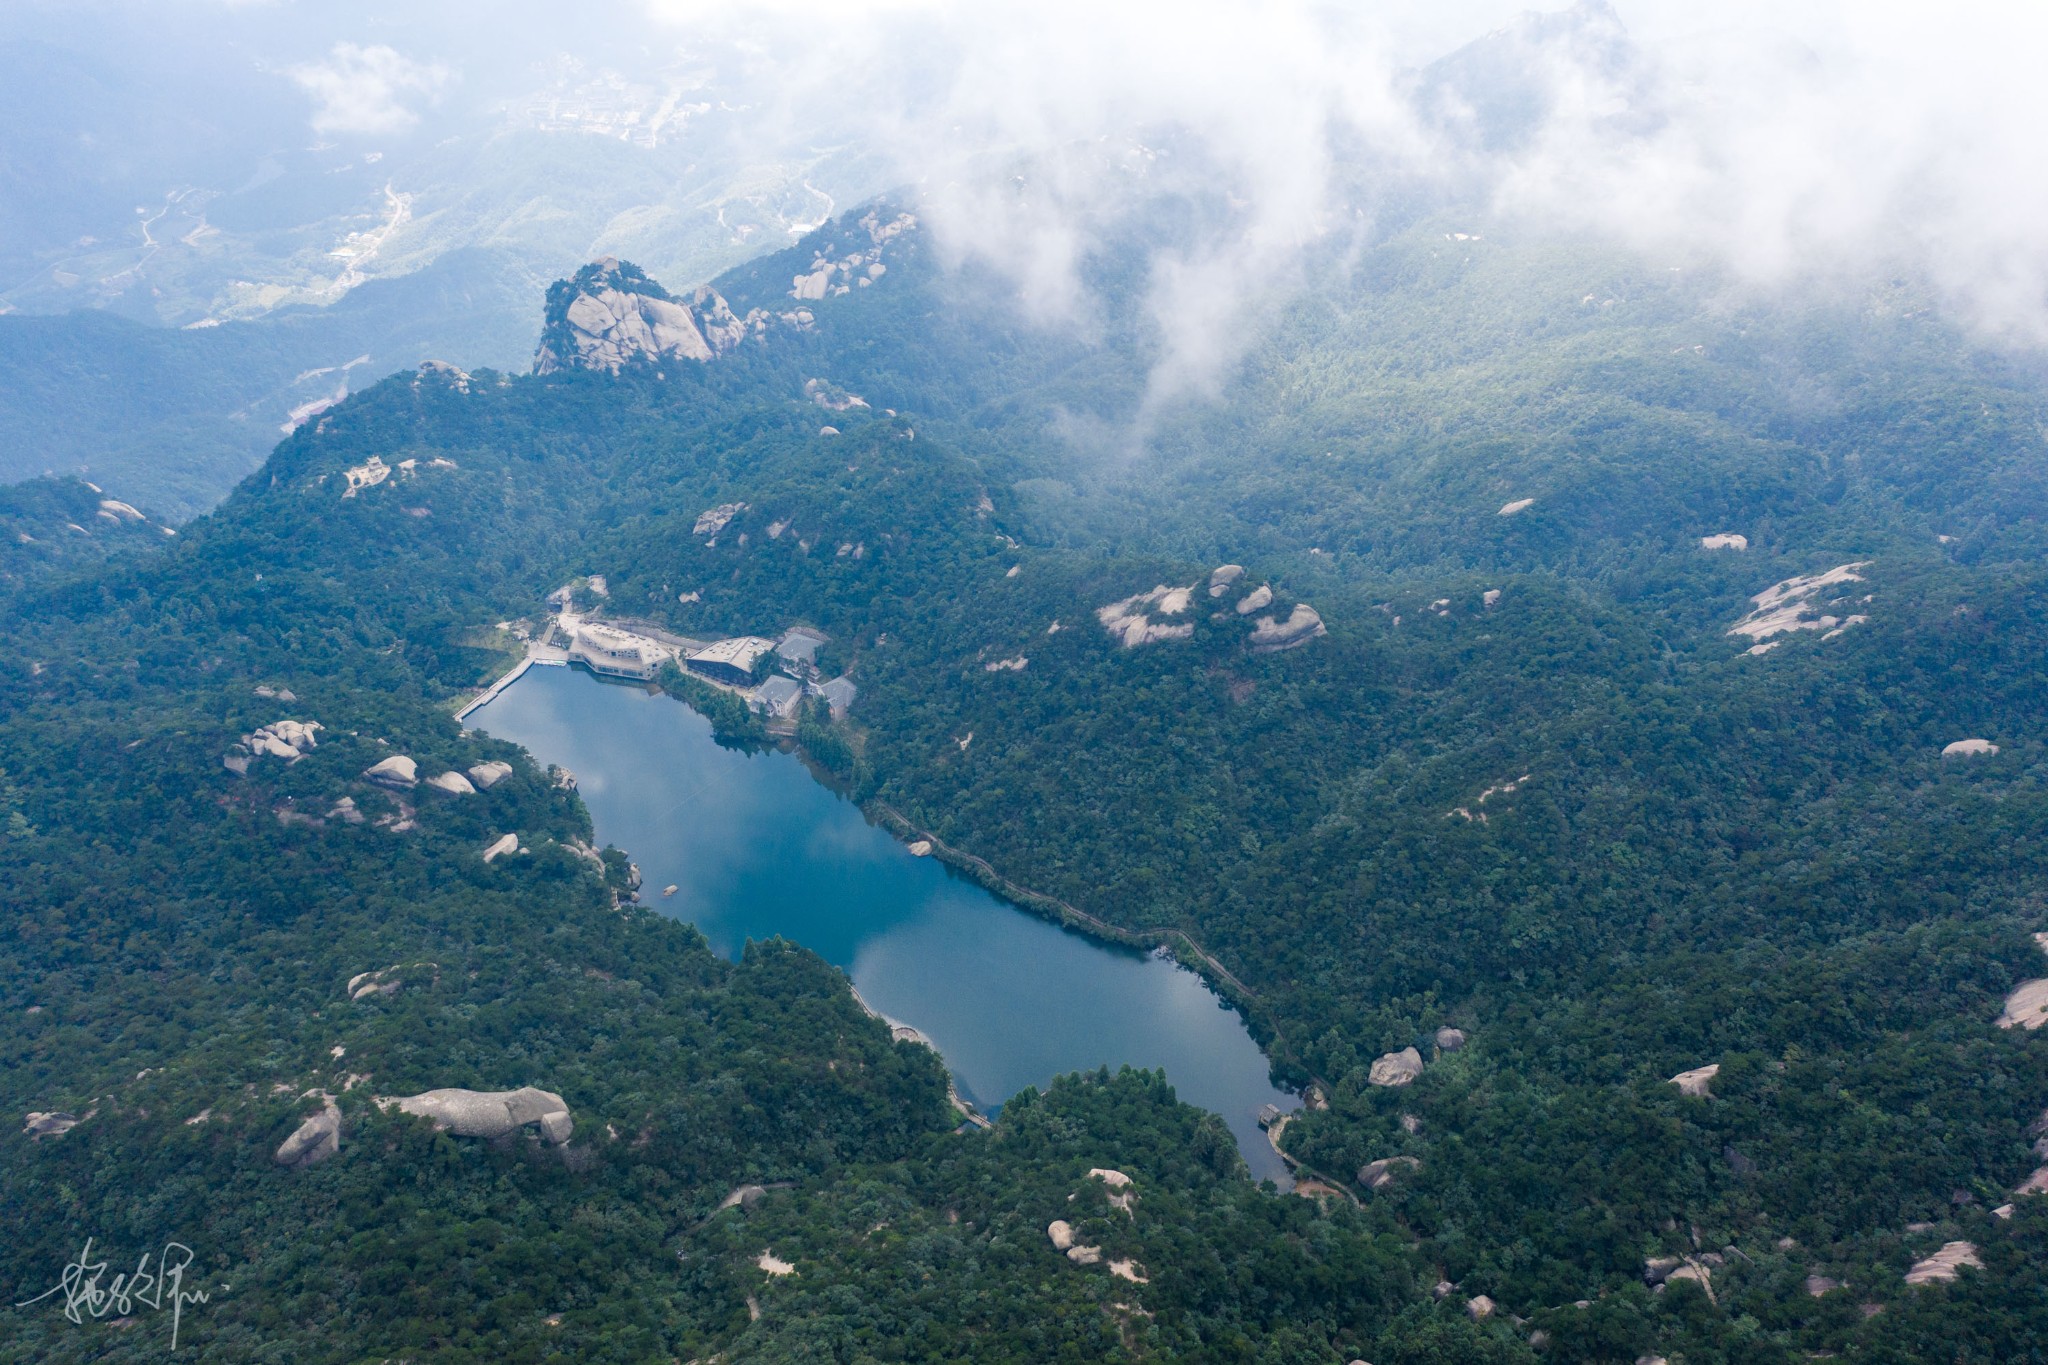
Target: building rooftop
{"x":839,"y":693}
{"x":612,"y":636}
{"x":611,"y":650}
{"x":741,"y":652}
{"x":779,"y":692}
{"x":800,"y":645}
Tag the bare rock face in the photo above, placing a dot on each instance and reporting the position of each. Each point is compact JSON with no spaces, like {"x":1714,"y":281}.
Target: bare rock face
{"x":363,"y":985}
{"x":1804,"y":603}
{"x":318,"y":1138}
{"x":1081,"y":1255}
{"x":1257,"y":599}
{"x":844,"y":266}
{"x":2027,"y":1006}
{"x":832,"y":398}
{"x":1695,"y":1081}
{"x":611,"y":315}
{"x":1817,"y":1285}
{"x":1969,"y":748}
{"x":1449,"y":1039}
{"x":387,"y":980}
{"x":712,"y":520}
{"x":52,"y":1124}
{"x":1942,"y":1266}
{"x":289,"y":740}
{"x":455,"y":784}
{"x":745,"y":1197}
{"x":1396,"y":1068}
{"x":1133,"y":621}
{"x":398,"y":772}
{"x":1479,"y":1307}
{"x":1270,"y":636}
{"x":1726,"y":540}
{"x":1061,"y":1233}
{"x":488,"y":775}
{"x":440,"y":371}
{"x":1377,"y":1175}
{"x":502,"y":845}
{"x":1223,"y":577}
{"x":490,"y":1113}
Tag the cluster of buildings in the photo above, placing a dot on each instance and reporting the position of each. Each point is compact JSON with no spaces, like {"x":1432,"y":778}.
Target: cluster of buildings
{"x":617,"y":653}
{"x":779,"y":696}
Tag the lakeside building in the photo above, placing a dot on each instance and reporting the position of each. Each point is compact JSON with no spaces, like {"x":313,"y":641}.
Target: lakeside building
{"x":798,"y":650}
{"x":838,"y":694}
{"x":778,"y":697}
{"x":616,"y":653}
{"x":730,"y":661}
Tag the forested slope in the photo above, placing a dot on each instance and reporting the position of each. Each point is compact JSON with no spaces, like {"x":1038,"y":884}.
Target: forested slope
{"x":1528,"y":784}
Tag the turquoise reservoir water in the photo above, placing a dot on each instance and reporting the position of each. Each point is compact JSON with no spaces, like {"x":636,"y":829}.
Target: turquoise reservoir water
{"x":756,"y":847}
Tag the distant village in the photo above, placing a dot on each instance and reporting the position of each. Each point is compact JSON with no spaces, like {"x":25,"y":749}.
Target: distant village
{"x":637,"y":650}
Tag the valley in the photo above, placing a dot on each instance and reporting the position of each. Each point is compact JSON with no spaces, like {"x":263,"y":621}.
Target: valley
{"x":757,"y":850}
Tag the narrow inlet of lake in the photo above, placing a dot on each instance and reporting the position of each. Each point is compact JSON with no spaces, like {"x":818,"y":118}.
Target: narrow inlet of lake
{"x":755,"y":848}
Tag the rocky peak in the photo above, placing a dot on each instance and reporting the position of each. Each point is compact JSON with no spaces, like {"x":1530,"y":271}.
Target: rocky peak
{"x":610,"y":315}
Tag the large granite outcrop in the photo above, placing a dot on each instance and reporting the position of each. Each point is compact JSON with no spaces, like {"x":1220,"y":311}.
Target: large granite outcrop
{"x":1944,"y":1264}
{"x":399,"y":772}
{"x":1132,"y":620}
{"x":489,"y":1113}
{"x":289,"y":740}
{"x":486,"y":775}
{"x":53,"y":1123}
{"x":611,"y":315}
{"x":1377,"y":1175}
{"x":1270,"y":635}
{"x":1697,"y":1082}
{"x":318,"y":1138}
{"x":1396,"y":1068}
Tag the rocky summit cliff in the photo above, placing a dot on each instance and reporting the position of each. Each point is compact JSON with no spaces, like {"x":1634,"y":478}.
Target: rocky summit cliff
{"x":610,"y":315}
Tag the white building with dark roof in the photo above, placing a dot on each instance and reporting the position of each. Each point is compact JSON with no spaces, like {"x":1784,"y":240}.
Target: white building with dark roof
{"x":838,"y":694}
{"x":799,"y":647}
{"x":778,"y":697}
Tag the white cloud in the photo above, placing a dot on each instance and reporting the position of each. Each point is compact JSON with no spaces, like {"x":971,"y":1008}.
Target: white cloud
{"x":1041,"y":132}
{"x":1800,"y":140}
{"x":367,"y":89}
{"x":1822,"y":141}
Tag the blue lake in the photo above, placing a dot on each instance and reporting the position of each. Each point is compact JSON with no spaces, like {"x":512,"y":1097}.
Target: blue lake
{"x":756,"y":847}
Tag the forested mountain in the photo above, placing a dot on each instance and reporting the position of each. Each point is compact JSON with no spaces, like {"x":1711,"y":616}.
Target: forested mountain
{"x":212,"y":220}
{"x":170,"y":419}
{"x":1587,"y":688}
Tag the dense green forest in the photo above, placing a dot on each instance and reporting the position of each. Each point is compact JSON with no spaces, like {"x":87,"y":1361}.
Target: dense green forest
{"x":1527,"y":785}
